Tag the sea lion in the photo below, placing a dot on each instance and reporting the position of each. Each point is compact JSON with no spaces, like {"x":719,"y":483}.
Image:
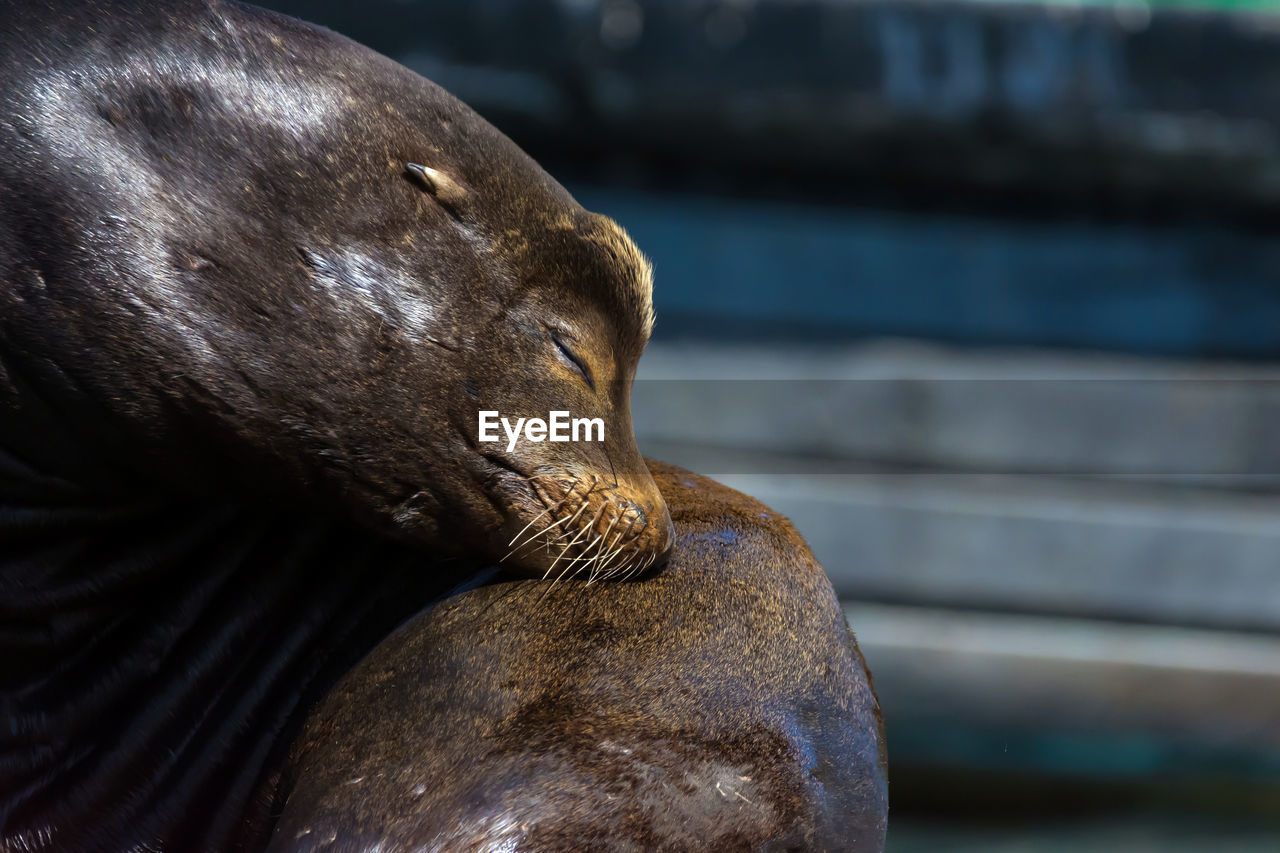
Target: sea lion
{"x":240,"y":252}
{"x":722,"y":705}
{"x":256,"y":282}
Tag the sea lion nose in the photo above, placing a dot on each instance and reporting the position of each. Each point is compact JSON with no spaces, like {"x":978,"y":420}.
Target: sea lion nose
{"x":657,"y":536}
{"x":667,"y":550}
{"x":668,"y":531}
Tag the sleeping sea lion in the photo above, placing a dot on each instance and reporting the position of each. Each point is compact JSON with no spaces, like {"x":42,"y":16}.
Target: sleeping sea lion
{"x":257,"y":284}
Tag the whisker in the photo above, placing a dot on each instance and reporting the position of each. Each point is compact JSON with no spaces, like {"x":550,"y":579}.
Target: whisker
{"x":586,"y":528}
{"x":535,"y":521}
{"x":553,"y":540}
{"x":594,"y":566}
{"x":551,"y":509}
{"x":581,"y":533}
{"x":563,"y":572}
{"x":623,"y":570}
{"x":607,"y":531}
{"x":569,"y":519}
{"x":616,"y":548}
{"x":594,"y":559}
{"x":600,"y":554}
{"x":641,"y":569}
{"x":622,"y":541}
{"x":535,"y":535}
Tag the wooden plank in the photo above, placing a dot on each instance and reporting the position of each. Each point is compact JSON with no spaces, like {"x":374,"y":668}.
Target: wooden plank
{"x":942,"y":476}
{"x":1034,"y":544}
{"x":1072,"y":696}
{"x":751,"y":270}
{"x":981,"y":411}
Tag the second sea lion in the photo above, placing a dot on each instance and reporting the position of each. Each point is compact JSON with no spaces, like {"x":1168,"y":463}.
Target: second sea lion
{"x":721,"y":705}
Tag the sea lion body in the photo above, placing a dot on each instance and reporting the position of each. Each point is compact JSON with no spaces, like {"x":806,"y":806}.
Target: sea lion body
{"x":719,"y":705}
{"x":243,"y":343}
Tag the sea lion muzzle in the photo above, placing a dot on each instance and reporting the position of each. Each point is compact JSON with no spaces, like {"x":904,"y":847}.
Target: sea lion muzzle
{"x":592,"y":527}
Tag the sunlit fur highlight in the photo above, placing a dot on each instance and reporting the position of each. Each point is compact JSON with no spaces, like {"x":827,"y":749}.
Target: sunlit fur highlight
{"x":638,"y":271}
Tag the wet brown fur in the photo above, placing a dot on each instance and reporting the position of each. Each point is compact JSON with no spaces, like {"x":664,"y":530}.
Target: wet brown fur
{"x":719,"y":705}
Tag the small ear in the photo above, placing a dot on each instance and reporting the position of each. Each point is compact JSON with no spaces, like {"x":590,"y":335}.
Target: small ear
{"x":447,"y":191}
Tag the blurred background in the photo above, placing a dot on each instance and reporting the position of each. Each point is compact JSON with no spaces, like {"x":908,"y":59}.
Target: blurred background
{"x":986,"y":297}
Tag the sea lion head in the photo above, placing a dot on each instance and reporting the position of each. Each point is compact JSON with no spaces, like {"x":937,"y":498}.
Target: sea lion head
{"x":542,"y":388}
{"x":496,"y":421}
{"x":299,"y":272}
{"x":564,"y":351}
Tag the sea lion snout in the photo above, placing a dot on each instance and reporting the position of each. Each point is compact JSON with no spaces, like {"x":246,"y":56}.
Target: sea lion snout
{"x":563,"y":470}
{"x":592,"y":526}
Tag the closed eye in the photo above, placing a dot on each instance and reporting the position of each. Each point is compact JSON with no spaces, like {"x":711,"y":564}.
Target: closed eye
{"x":573,"y":359}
